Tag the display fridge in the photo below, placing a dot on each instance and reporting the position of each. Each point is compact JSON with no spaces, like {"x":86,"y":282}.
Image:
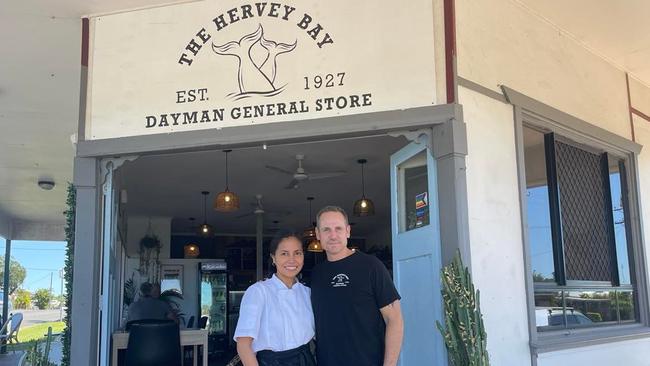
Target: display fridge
{"x":213,"y":295}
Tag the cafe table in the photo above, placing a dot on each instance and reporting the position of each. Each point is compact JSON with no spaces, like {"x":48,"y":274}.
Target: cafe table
{"x":189,"y":337}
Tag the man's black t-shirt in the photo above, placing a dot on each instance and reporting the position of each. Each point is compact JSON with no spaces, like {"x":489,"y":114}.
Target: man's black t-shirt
{"x":346,"y":296}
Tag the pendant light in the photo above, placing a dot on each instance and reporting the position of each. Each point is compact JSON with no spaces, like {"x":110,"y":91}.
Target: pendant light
{"x":309,"y":234}
{"x":314,"y":246}
{"x":191,"y":250}
{"x":363,"y":206}
{"x":205,"y":230}
{"x":226,"y":201}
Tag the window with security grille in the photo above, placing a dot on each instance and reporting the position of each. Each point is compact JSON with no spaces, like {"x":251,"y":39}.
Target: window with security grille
{"x":578,"y":234}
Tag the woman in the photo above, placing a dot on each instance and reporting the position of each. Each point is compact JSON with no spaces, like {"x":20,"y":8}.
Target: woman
{"x":276,"y":321}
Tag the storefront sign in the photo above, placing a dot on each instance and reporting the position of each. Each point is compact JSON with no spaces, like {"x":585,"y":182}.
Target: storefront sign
{"x":217,"y":64}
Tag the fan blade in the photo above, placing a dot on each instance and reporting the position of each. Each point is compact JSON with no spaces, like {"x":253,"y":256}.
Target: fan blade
{"x":292,"y":185}
{"x":312,"y":176}
{"x":279,"y":213}
{"x":245,"y":215}
{"x":278,"y":169}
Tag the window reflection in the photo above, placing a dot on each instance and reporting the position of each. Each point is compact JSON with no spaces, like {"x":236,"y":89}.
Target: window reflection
{"x":626,"y":305}
{"x":538,"y":215}
{"x":590,"y":307}
{"x":549,"y":313}
{"x":618,"y":211}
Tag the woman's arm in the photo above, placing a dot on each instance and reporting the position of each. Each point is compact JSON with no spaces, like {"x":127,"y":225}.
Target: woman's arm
{"x":245,"y":351}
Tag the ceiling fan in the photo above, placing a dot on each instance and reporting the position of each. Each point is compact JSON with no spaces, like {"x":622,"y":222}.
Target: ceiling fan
{"x":258,"y":209}
{"x":301,"y":175}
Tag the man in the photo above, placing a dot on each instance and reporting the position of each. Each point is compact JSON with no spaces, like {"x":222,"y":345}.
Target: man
{"x":149,"y":306}
{"x":356,"y":306}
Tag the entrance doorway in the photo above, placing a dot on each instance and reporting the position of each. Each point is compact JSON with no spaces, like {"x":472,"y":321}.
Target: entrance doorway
{"x":161,"y":195}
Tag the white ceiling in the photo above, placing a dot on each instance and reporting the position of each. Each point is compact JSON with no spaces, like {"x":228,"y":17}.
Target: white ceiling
{"x":171,"y":185}
{"x":40,"y":72}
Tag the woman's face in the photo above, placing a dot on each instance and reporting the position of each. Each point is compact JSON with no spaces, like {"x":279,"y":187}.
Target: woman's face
{"x":289,"y":257}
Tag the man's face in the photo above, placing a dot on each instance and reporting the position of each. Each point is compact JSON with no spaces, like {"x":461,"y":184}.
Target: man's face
{"x":333,"y":232}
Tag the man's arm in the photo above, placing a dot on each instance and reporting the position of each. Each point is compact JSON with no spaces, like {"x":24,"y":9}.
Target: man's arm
{"x":392,"y":315}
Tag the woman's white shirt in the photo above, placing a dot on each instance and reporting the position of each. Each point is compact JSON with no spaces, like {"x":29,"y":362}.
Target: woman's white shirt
{"x":278,"y":318}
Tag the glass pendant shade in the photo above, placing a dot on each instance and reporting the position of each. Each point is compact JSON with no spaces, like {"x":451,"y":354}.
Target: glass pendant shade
{"x":205,"y":229}
{"x":315,"y":246}
{"x":191,"y":250}
{"x":226,"y":201}
{"x":363,"y":206}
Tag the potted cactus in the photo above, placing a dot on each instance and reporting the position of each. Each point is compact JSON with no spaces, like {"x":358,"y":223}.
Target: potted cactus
{"x":464,"y":332}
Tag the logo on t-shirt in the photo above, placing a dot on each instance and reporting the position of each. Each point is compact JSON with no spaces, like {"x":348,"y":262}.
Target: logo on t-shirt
{"x":340,"y":280}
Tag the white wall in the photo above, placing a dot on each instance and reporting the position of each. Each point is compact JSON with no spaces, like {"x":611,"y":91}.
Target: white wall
{"x":620,"y":353}
{"x":495,"y":227}
{"x":500,"y":42}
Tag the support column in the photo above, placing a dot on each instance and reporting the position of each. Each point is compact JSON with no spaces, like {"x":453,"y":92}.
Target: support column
{"x":449,"y":150}
{"x":5,"y":288}
{"x":86,"y":270}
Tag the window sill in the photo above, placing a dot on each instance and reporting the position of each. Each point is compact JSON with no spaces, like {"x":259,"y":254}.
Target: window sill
{"x":576,"y":338}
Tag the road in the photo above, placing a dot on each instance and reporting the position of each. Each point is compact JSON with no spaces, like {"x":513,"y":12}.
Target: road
{"x":32,"y":317}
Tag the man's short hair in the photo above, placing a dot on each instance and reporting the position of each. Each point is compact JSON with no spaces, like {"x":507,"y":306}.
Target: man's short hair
{"x":146,"y":288}
{"x":331,"y":209}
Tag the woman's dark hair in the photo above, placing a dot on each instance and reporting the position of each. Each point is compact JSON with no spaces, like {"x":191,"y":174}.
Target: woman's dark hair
{"x":275,"y":242}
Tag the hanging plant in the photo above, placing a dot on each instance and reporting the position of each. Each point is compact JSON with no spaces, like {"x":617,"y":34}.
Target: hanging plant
{"x":150,"y":242}
{"x":150,"y":256}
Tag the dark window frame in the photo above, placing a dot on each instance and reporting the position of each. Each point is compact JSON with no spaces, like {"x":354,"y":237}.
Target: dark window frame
{"x":562,"y":284}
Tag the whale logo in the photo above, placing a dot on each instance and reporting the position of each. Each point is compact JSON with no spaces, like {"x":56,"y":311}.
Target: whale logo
{"x":255,"y":78}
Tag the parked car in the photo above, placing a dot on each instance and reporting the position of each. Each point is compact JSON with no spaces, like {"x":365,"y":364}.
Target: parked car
{"x":549,"y":317}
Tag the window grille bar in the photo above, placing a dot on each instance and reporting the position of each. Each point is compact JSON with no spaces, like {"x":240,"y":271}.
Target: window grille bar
{"x":604,"y":163}
{"x":554,"y":208}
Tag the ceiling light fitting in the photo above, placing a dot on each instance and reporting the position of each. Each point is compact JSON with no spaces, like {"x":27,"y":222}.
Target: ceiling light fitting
{"x":191,"y":250}
{"x":205,"y":229}
{"x":310,"y":231}
{"x":363,"y":206}
{"x":46,"y":184}
{"x":226,"y":201}
{"x":315,"y":246}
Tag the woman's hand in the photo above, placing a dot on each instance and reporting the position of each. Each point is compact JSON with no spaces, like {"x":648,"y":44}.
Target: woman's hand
{"x":245,"y":351}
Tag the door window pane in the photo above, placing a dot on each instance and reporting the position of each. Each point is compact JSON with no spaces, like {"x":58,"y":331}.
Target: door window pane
{"x":413,"y":192}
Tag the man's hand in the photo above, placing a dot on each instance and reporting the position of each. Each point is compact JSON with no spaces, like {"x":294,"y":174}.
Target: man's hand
{"x":392,"y":314}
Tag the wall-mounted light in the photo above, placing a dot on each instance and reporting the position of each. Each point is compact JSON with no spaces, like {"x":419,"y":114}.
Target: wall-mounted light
{"x":46,"y":184}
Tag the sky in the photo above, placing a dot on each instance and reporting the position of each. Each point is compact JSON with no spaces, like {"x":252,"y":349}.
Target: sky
{"x":41,"y":259}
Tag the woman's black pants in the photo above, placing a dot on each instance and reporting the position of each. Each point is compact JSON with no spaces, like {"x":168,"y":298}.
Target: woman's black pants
{"x":300,"y":356}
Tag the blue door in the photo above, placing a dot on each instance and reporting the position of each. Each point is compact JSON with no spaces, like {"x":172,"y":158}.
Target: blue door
{"x":416,"y":252}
